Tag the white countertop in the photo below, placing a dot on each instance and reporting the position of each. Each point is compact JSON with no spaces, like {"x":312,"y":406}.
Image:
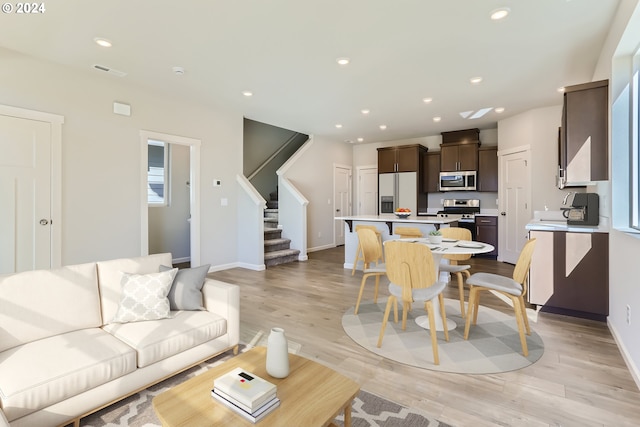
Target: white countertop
{"x":554,"y":221}
{"x":392,"y":218}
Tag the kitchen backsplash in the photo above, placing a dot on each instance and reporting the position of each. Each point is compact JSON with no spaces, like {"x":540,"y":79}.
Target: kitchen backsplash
{"x":487,"y":200}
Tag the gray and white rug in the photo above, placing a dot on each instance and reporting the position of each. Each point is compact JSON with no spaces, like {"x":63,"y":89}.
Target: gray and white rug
{"x":368,"y":410}
{"x":493,"y":345}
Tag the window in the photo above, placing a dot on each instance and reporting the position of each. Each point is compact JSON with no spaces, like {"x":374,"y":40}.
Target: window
{"x":158,"y":173}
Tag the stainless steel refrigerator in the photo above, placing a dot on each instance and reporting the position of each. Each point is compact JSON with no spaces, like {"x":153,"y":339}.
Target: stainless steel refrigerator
{"x":398,"y":190}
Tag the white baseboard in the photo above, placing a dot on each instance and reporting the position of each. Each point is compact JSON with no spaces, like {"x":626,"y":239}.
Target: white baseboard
{"x":321,"y":248}
{"x":635,"y":374}
{"x":181,"y":260}
{"x":256,"y":267}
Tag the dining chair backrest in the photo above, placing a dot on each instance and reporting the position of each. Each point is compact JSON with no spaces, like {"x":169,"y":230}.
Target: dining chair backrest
{"x":521,"y":270}
{"x":370,"y":245}
{"x":456,"y":233}
{"x":409,"y":265}
{"x":407,"y":232}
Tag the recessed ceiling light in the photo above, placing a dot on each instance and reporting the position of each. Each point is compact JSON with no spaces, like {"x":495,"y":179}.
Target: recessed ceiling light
{"x":342,"y":61}
{"x":383,"y":127}
{"x":360,"y":139}
{"x":427,"y":100}
{"x":365,"y":111}
{"x":339,"y":126}
{"x":102,"y":42}
{"x":437,"y":119}
{"x":499,"y":110}
{"x":561,"y":89}
{"x":247,"y":93}
{"x":475,"y":80}
{"x":500,"y":13}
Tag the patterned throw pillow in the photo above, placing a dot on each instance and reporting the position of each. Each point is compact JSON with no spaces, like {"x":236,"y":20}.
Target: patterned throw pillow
{"x":144,"y":296}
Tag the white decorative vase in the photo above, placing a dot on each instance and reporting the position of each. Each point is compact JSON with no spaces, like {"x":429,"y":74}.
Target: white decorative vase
{"x":277,"y":354}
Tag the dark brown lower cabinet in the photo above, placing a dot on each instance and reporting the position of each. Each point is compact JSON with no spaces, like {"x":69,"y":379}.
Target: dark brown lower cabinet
{"x":487,"y":232}
{"x":570,"y":273}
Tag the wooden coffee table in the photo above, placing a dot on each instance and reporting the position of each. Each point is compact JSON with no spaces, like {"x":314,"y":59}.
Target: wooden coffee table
{"x":312,"y":395}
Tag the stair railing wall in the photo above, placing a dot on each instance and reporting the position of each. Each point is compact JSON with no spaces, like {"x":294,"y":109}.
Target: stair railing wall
{"x":292,"y":207}
{"x":251,"y":206}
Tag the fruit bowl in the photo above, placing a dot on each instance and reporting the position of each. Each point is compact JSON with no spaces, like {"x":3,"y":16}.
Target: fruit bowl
{"x":404,"y":214}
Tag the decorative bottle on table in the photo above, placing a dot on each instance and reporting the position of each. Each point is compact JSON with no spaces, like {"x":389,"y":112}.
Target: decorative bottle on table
{"x":277,"y":354}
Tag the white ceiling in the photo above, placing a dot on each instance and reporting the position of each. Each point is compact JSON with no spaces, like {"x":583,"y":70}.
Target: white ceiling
{"x":285,"y":52}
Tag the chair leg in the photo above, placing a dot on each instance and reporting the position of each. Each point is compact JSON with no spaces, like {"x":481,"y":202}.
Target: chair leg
{"x":356,"y":259}
{"x":384,"y":320}
{"x":460,"y":292}
{"x":375,"y":291}
{"x":432,"y":329}
{"x":524,"y":316}
{"x":395,"y":310}
{"x":406,"y":308}
{"x":472,"y":311}
{"x":444,"y":317}
{"x":362,"y":283}
{"x":523,"y":339}
{"x":477,"y":304}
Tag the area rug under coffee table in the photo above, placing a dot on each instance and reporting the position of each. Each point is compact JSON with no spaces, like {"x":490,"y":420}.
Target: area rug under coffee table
{"x":493,"y":345}
{"x":368,"y":410}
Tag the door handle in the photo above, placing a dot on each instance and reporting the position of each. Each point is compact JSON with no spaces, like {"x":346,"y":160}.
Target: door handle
{"x":503,"y":213}
{"x":337,"y":210}
{"x":44,"y":221}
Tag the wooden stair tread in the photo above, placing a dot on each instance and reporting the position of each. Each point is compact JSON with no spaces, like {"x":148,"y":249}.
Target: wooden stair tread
{"x":282,"y":253}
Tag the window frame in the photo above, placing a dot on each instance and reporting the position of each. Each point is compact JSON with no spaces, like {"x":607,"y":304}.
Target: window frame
{"x":634,"y":155}
{"x":166,"y":178}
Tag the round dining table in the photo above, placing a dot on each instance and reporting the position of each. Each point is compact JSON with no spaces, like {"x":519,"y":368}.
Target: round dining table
{"x":439,"y":250}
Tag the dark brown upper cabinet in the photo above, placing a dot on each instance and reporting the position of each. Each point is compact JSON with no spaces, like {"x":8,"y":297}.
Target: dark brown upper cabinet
{"x":583,"y":154}
{"x":404,"y":158}
{"x":431,"y":172}
{"x":488,"y":169}
{"x":459,"y":150}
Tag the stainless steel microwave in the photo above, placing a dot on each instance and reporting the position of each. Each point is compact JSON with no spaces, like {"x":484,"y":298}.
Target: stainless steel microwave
{"x":458,"y":181}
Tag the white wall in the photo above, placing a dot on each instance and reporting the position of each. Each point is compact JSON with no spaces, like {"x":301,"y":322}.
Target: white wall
{"x":101,"y":156}
{"x":624,"y":248}
{"x":312,"y":175}
{"x":537,"y":129}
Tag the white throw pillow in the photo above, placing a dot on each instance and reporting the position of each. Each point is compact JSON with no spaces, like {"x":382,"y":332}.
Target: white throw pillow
{"x":144,"y":296}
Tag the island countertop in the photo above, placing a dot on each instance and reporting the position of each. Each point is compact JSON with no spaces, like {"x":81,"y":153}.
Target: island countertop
{"x":392,"y":218}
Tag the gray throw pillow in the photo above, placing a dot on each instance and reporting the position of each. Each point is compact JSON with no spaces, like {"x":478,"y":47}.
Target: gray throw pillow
{"x":186,"y":291}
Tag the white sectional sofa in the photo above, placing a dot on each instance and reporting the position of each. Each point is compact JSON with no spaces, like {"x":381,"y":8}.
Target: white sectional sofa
{"x":62,"y":357}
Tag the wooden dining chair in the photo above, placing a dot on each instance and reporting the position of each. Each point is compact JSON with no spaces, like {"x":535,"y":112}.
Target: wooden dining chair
{"x":514,"y":288}
{"x":359,"y":256}
{"x":454,"y":266}
{"x":371,"y":253}
{"x":411,"y":270}
{"x":407,"y":232}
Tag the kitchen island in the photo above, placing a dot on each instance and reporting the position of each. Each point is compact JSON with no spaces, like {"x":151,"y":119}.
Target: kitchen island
{"x":386,"y":224}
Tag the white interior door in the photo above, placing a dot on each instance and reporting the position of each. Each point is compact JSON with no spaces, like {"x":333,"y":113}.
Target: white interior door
{"x":368,"y":191}
{"x":515,"y":211}
{"x":25,"y":194}
{"x":341,"y":199}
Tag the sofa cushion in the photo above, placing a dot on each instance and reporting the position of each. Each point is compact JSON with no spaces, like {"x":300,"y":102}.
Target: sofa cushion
{"x":156,"y":340}
{"x":40,"y":373}
{"x":186,"y":290}
{"x":144,"y":296}
{"x":110,"y":276}
{"x":41,"y":303}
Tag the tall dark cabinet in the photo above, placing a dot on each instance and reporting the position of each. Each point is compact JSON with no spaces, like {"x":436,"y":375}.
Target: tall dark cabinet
{"x":459,"y":150}
{"x":583,"y":154}
{"x":488,"y":169}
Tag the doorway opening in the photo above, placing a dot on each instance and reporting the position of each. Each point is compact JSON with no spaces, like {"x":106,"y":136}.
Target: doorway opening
{"x":170,"y":197}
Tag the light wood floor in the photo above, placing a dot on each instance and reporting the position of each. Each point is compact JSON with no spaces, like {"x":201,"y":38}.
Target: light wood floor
{"x":581,"y":380}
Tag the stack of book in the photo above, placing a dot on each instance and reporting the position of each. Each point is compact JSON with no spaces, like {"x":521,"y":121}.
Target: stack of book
{"x":246,"y":394}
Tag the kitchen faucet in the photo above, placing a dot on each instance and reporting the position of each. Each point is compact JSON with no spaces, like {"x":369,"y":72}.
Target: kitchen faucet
{"x":564,"y":201}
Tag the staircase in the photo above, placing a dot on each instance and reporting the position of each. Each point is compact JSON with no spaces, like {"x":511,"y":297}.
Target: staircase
{"x":276,"y":249}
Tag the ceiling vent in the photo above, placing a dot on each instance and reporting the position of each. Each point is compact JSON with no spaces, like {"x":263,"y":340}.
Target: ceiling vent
{"x":110,"y":70}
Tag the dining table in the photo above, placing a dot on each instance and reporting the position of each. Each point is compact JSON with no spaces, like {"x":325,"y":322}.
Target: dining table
{"x":439,"y":250}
